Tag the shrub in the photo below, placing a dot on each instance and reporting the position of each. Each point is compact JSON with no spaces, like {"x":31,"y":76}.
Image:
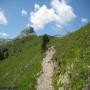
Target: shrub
{"x":45,"y":41}
{"x":3,"y":52}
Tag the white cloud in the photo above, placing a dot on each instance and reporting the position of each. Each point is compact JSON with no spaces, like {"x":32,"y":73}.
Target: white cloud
{"x":37,"y":7}
{"x":3,"y":19}
{"x":42,"y":17}
{"x":3,"y":34}
{"x":60,"y":13}
{"x":28,"y":25}
{"x":24,"y":12}
{"x":84,"y":20}
{"x":59,"y":26}
{"x":64,"y":12}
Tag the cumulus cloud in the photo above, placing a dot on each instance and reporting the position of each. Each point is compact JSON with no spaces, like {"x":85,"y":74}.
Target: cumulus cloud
{"x":3,"y":34}
{"x":64,"y":12}
{"x":42,"y":17}
{"x":37,"y":7}
{"x":24,"y":12}
{"x":84,"y":20}
{"x":60,"y":13}
{"x":28,"y":25}
{"x":3,"y":19}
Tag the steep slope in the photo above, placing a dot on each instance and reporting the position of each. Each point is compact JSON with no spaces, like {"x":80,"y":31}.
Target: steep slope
{"x":23,"y":63}
{"x":73,"y":60}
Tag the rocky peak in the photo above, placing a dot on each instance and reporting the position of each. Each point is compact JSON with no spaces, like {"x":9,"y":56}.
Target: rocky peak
{"x":28,"y":31}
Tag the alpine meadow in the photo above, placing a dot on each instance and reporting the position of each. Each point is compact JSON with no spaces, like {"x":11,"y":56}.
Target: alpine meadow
{"x":44,"y":45}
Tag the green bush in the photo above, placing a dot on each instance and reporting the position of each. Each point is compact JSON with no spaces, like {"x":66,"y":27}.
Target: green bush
{"x":45,"y":41}
{"x":3,"y":52}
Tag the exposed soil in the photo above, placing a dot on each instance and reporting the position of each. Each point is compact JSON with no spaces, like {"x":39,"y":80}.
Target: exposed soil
{"x":44,"y":82}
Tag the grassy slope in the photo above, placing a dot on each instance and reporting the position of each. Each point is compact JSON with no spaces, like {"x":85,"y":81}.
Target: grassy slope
{"x":74,"y":50}
{"x":22,"y":65}
{"x":24,"y":61}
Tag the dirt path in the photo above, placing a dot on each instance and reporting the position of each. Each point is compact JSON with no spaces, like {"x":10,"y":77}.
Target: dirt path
{"x":44,"y":82}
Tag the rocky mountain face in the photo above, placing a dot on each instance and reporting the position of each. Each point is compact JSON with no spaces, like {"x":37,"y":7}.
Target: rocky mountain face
{"x":27,"y":32}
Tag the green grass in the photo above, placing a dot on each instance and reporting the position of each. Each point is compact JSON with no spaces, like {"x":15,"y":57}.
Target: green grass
{"x":23,"y":64}
{"x":73,"y":48}
{"x":20,"y":68}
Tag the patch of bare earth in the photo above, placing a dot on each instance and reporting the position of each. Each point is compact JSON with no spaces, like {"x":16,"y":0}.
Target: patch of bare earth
{"x":44,"y":82}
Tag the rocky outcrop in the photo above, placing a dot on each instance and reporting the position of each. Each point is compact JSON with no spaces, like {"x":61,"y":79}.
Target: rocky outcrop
{"x":27,"y":32}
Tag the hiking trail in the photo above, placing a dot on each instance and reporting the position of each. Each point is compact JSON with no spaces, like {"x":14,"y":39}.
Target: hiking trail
{"x":44,"y":82}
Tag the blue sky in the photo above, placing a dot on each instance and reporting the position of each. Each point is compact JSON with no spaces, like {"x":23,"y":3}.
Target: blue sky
{"x":16,"y":15}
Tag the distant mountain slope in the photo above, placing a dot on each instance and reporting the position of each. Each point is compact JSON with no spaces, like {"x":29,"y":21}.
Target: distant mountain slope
{"x":73,"y":60}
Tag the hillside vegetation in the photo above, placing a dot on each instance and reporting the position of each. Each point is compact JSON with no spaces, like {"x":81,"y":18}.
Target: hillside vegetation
{"x":73,"y":60}
{"x":19,"y":69}
{"x":21,"y":61}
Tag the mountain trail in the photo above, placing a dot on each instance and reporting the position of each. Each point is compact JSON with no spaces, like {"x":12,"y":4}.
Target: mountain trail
{"x":44,"y":82}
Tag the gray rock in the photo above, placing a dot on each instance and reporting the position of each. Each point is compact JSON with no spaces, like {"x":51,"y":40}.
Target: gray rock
{"x":27,"y":32}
